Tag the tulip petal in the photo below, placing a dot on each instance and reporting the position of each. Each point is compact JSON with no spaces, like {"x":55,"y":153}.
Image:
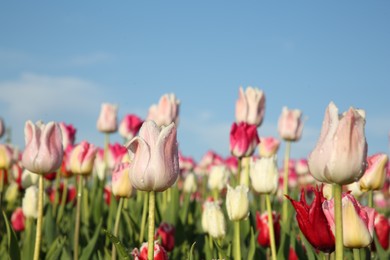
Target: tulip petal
{"x":139,"y":165}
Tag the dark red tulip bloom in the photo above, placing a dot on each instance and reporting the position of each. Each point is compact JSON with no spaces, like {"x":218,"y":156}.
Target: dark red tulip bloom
{"x":312,"y":221}
{"x":142,"y":253}
{"x":167,"y":233}
{"x":243,"y":139}
{"x":262,"y":226}
{"x":382,"y":230}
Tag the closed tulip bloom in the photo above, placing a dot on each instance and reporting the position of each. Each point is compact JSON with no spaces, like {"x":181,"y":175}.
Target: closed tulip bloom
{"x":237,"y":203}
{"x":12,"y":193}
{"x":264,"y":175}
{"x":18,"y":220}
{"x":355,"y":189}
{"x":121,"y":185}
{"x":43,"y":152}
{"x":166,"y":232}
{"x":375,"y":174}
{"x":82,"y":158}
{"x":290,"y":124}
{"x":218,"y":177}
{"x":115,"y":154}
{"x":313,"y":222}
{"x":155,"y":166}
{"x":129,"y":126}
{"x":341,"y":151}
{"x":190,"y":184}
{"x":243,"y":139}
{"x":250,"y":106}
{"x":2,"y":127}
{"x":268,"y":146}
{"x":382,"y":230}
{"x":142,"y":254}
{"x":68,"y":134}
{"x":213,"y":220}
{"x":166,"y":111}
{"x":6,"y":156}
{"x":301,"y":167}
{"x":358,"y":221}
{"x":262,"y":227}
{"x":99,"y":167}
{"x":107,"y":121}
{"x":30,"y":202}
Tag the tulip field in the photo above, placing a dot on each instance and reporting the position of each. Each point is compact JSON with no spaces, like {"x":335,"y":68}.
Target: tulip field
{"x":64,"y":198}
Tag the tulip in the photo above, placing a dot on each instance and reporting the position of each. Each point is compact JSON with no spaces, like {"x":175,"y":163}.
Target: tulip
{"x":155,"y":166}
{"x":129,"y":126}
{"x":121,"y":185}
{"x":237,"y":203}
{"x":327,"y":191}
{"x":142,"y":254}
{"x":313,"y":222}
{"x":268,"y":146}
{"x":382,"y":230}
{"x":29,"y":179}
{"x":115,"y":154}
{"x":12,"y":192}
{"x":262,"y":226}
{"x":43,"y":152}
{"x":301,"y":167}
{"x":232,"y":163}
{"x":243,"y":139}
{"x":355,"y":189}
{"x":213,"y":220}
{"x":264,"y":175}
{"x":30,"y":202}
{"x":2,"y":127}
{"x":340,"y":154}
{"x":358,"y":221}
{"x":290,"y":124}
{"x":82,"y":158}
{"x":375,"y":174}
{"x":190,"y":184}
{"x":68,"y":134}
{"x":166,"y":232}
{"x":18,"y":219}
{"x":65,"y":166}
{"x":166,"y":112}
{"x":107,"y":121}
{"x":186,"y":164}
{"x":218,"y":177}
{"x":99,"y":167}
{"x":6,"y":157}
{"x":250,"y":106}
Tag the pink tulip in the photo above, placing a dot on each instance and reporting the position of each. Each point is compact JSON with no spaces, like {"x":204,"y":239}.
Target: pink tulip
{"x":340,"y":154}
{"x":82,"y":158}
{"x":6,"y":156}
{"x":250,"y":106}
{"x":115,"y":154}
{"x":68,"y":134}
{"x":301,"y":167}
{"x":358,"y":221}
{"x":243,"y":139}
{"x":130,"y":126}
{"x":121,"y":185}
{"x":155,"y":166}
{"x":18,"y":220}
{"x":375,"y":174}
{"x":290,"y":124}
{"x":268,"y":146}
{"x":107,"y":121}
{"x":166,"y":112}
{"x":43,"y":152}
{"x":186,"y":164}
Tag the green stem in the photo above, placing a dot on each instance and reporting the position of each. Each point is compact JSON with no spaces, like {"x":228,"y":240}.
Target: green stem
{"x":237,"y":241}
{"x":338,"y":221}
{"x":285,"y":179}
{"x":116,"y":227}
{"x":370,"y":199}
{"x":356,"y":254}
{"x":245,"y":180}
{"x":215,"y":194}
{"x":219,"y":251}
{"x":271,"y":227}
{"x":239,"y":168}
{"x":80,"y":188}
{"x":151,"y":225}
{"x":144,"y":212}
{"x":38,"y":234}
{"x":63,"y":201}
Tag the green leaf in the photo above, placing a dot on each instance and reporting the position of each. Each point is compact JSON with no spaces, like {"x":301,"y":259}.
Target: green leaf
{"x":221,"y":251}
{"x":88,"y":250}
{"x":49,"y":226}
{"x":309,"y":249}
{"x":382,"y":254}
{"x":122,"y":251}
{"x":14,"y":251}
{"x":29,"y":239}
{"x":252,"y":246}
{"x":190,"y":255}
{"x":55,"y":248}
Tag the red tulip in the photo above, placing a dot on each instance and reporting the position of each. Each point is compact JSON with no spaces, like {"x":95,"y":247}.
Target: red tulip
{"x":313,"y":223}
{"x":68,"y":134}
{"x":142,"y":254}
{"x":167,"y":233}
{"x":382,"y":230}
{"x":262,"y":226}
{"x":130,"y":126}
{"x":243,"y":139}
{"x":292,"y":255}
{"x":18,"y":220}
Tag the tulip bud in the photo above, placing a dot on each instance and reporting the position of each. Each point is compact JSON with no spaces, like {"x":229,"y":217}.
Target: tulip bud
{"x":166,"y":112}
{"x":382,"y":230}
{"x":262,"y":226}
{"x":354,"y":188}
{"x":18,"y":220}
{"x":142,"y":254}
{"x":167,"y":234}
{"x":82,"y":158}
{"x":115,"y":154}
{"x":11,"y":195}
{"x":237,"y":203}
{"x":99,"y":167}
{"x":121,"y":185}
{"x":130,"y":126}
{"x":107,"y":121}
{"x":155,"y":166}
{"x":213,"y":220}
{"x":250,"y":106}
{"x":29,"y":179}
{"x":340,"y":154}
{"x":301,"y":167}
{"x":6,"y":159}
{"x":30,"y":202}
{"x":268,"y":146}
{"x":243,"y":139}
{"x":374,"y":176}
{"x":190,"y":184}
{"x":68,"y":134}
{"x":358,"y":221}
{"x":218,"y":177}
{"x":290,"y":124}
{"x":264,"y":175}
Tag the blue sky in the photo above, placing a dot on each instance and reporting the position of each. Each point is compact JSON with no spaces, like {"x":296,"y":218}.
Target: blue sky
{"x":60,"y":61}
